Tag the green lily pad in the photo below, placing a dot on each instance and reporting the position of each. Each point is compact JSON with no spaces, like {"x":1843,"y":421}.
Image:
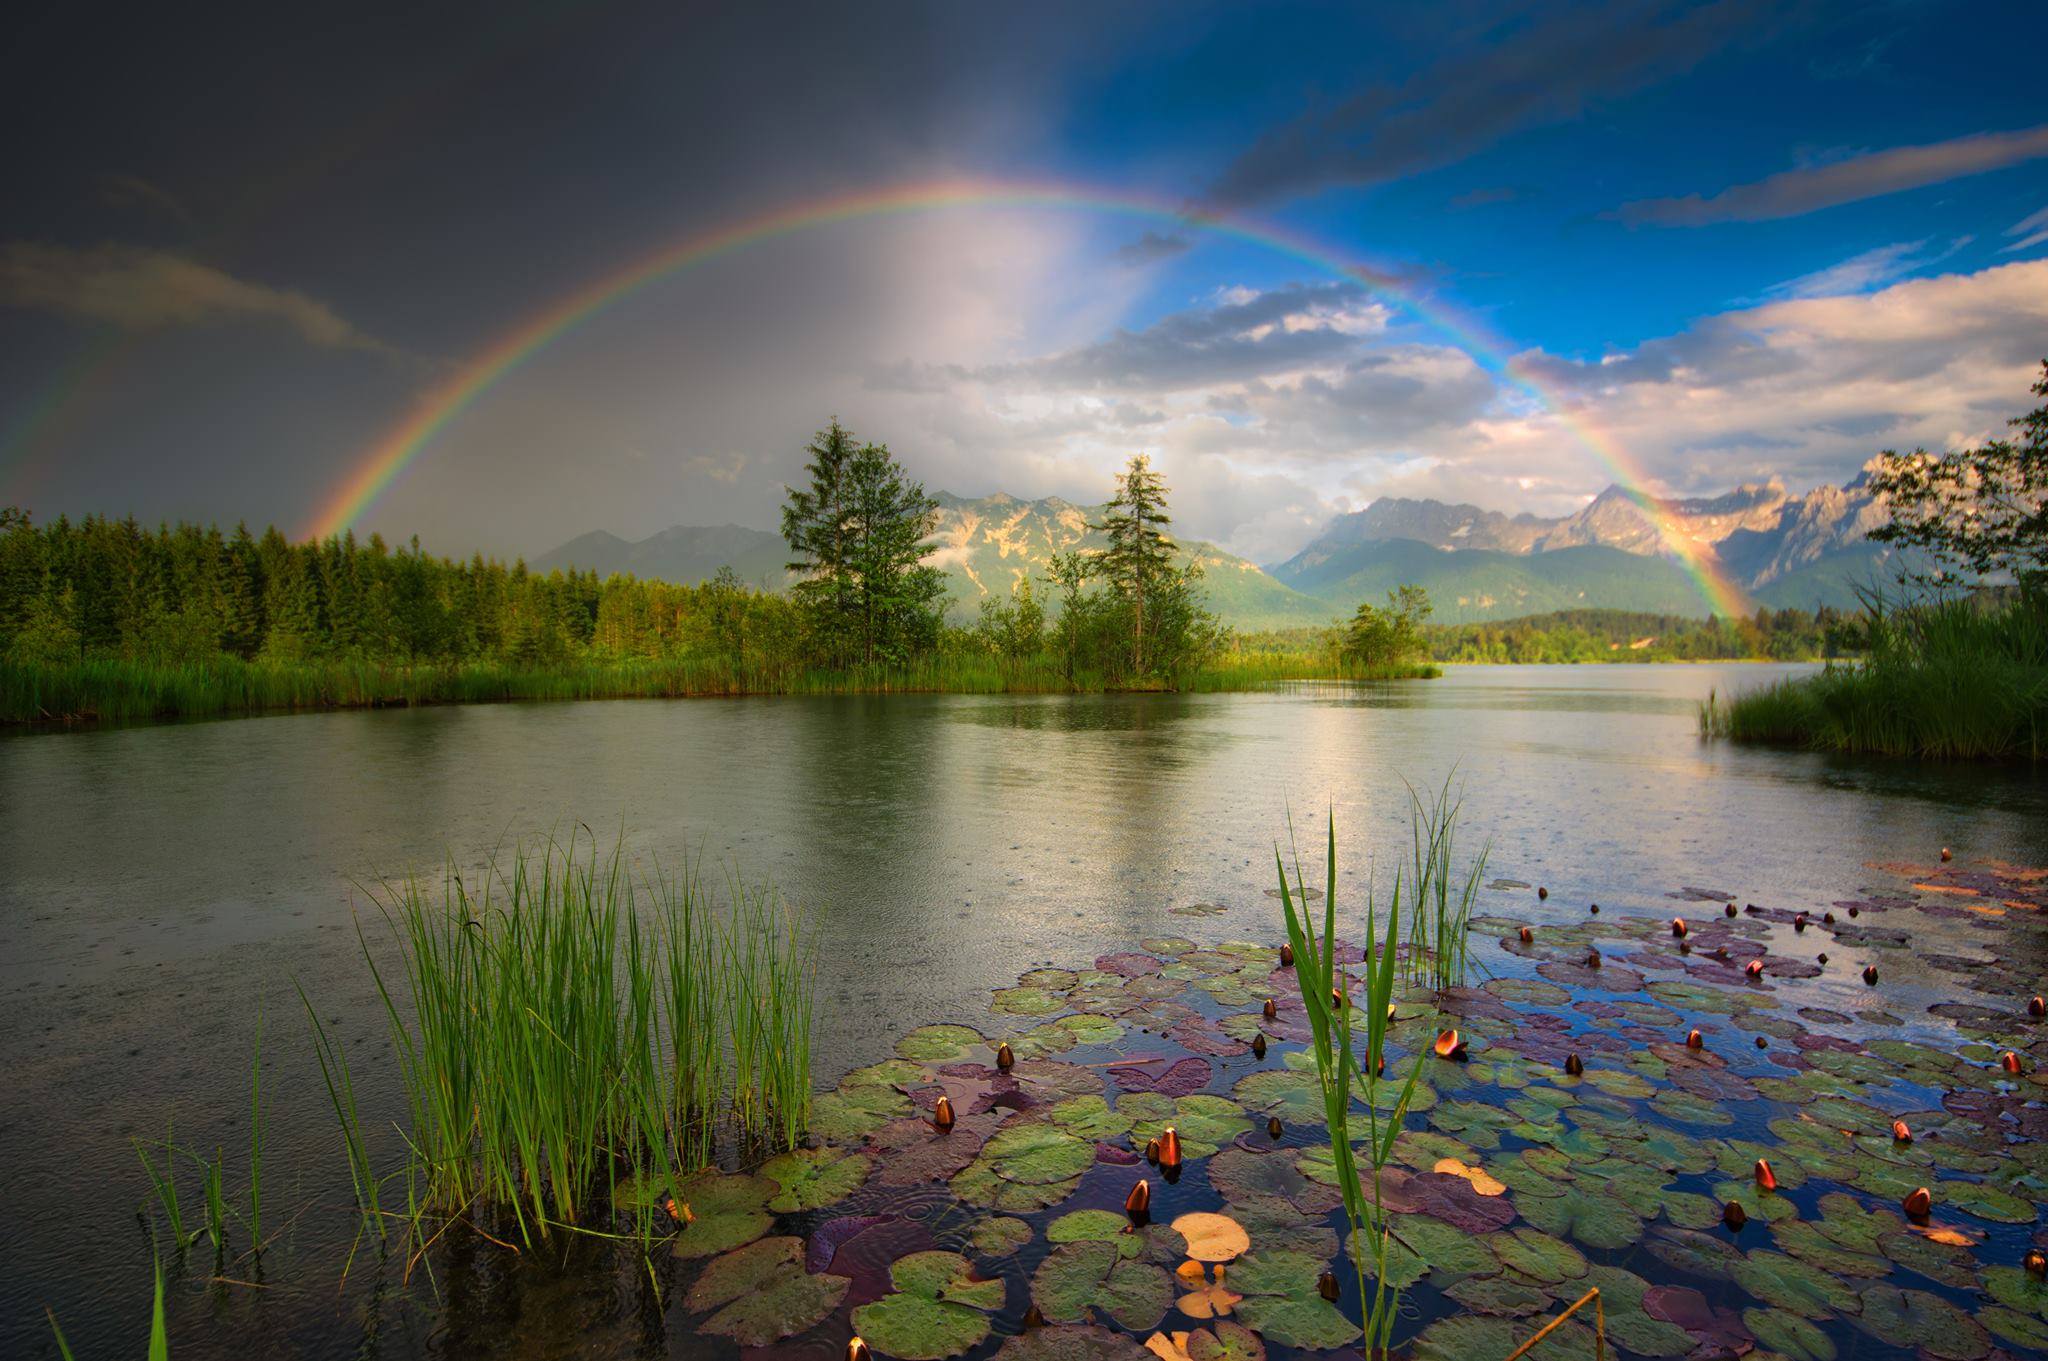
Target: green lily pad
{"x":1095,"y":1226}
{"x":1296,"y":1098}
{"x":812,"y":1178}
{"x":999,"y":1237}
{"x":763,"y":1294}
{"x":978,"y":1184}
{"x":1230,"y":1342}
{"x":2022,"y":1330}
{"x":1469,"y":1337}
{"x":1079,"y":1278}
{"x":1282,"y":1304}
{"x":1915,"y":1318}
{"x":939,"y":1043}
{"x":1279,"y":1226}
{"x":1446,"y":1251}
{"x":1073,"y":1342}
{"x":1596,"y":1221}
{"x":837,"y":1119}
{"x":1090,"y":1117}
{"x":1027,"y":1001}
{"x":940,"y":1308}
{"x":1204,"y":1122}
{"x":2015,"y":1289}
{"x":1806,"y":1242}
{"x":1621,"y":1293}
{"x":1792,"y":1285}
{"x":1539,"y":1256}
{"x":1949,"y":1263}
{"x":1701,"y":1254}
{"x":1788,"y":1334}
{"x":1037,"y":1154}
{"x":1985,"y":1202}
{"x":727,"y":1212}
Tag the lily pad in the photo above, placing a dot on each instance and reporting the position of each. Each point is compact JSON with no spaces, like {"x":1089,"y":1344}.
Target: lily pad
{"x":726,"y":1212}
{"x":1468,"y":1337}
{"x":940,"y":1308}
{"x":1537,"y":1255}
{"x":1037,"y":1154}
{"x":939,"y":1043}
{"x":1079,"y":1279}
{"x":1072,"y":1342}
{"x":1915,"y":1318}
{"x":1596,"y":1221}
{"x":1445,"y":1252}
{"x":1493,"y":1295}
{"x":763,"y":1294}
{"x":1090,"y":1117}
{"x":1027,"y":1001}
{"x":1095,"y":1226}
{"x":1296,"y":1098}
{"x":1789,"y":1335}
{"x":999,"y":1237}
{"x":2015,"y":1289}
{"x":1282,"y":1304}
{"x":1792,"y":1285}
{"x":812,"y":1178}
{"x":1204,"y":1123}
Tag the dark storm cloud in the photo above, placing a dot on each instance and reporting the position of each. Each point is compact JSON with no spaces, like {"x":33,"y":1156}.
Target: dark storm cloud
{"x":1153,"y":247}
{"x":1545,"y":71}
{"x":1792,"y":193}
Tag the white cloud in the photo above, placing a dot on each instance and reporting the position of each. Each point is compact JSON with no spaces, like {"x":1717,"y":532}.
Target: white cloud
{"x":1867,"y":270}
{"x":2032,"y":230}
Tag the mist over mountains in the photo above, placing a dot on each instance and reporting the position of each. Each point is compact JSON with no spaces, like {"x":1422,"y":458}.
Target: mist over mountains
{"x":1785,"y":550}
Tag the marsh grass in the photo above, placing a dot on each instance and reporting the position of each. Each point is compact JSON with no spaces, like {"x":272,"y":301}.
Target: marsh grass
{"x":115,"y":690}
{"x":1960,"y":679}
{"x":1437,"y":948}
{"x":1348,"y":1070}
{"x":567,"y":1027}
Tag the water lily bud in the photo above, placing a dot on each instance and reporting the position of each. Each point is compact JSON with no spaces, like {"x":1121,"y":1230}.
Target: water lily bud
{"x":1273,"y":1126}
{"x":1870,"y":974}
{"x":1902,"y":1132}
{"x":1919,"y":1203}
{"x":1259,"y":1045}
{"x":1755,"y":968}
{"x":1765,"y":1177}
{"x":2036,"y":1264}
{"x":1594,"y":909}
{"x":1139,"y":1200}
{"x":1821,"y":958}
{"x":1731,"y":909}
{"x":1694,"y":1040}
{"x":1828,"y":917}
{"x":1721,"y":952}
{"x":1946,"y":855}
{"x":857,"y":1350}
{"x":1760,"y":1043}
{"x":1390,"y":1013}
{"x":1337,"y":998}
{"x":1733,"y":1215}
{"x":1678,"y":927}
{"x":1527,"y":935}
{"x":1326,"y":1285}
{"x":1005,"y":1056}
{"x":1151,"y":1150}
{"x":1272,"y":1011}
{"x":1034,"y":1317}
{"x":1169,"y":1147}
{"x":679,"y":1213}
{"x":1592,"y":959}
{"x":942,"y":1114}
{"x":1542,"y":893}
{"x":1574,"y":1065}
{"x":1855,"y":911}
{"x":1381,"y":1070}
{"x":1286,"y":956}
{"x":1799,"y":922}
{"x":2010,"y":1062}
{"x":2037,"y":1007}
{"x":1449,"y":1046}
{"x":1685,"y":947}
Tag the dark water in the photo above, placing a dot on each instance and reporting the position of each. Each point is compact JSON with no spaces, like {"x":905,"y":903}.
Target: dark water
{"x":163,"y":884}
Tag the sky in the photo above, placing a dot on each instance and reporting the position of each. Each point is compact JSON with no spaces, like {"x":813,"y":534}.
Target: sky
{"x":1302,"y":255}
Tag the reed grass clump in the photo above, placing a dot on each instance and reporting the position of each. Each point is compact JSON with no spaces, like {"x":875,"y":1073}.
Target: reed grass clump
{"x":1960,"y":679}
{"x":566,"y":1025}
{"x":1350,"y":1071}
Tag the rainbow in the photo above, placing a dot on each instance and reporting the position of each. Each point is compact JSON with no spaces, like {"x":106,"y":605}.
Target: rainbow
{"x":386,"y":460}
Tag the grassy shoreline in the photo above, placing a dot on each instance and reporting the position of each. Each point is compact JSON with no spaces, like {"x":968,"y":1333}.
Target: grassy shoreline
{"x":1960,"y":679}
{"x":125,"y":691}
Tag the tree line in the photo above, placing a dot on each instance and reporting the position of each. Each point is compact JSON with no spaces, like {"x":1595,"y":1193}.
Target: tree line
{"x":862,"y":597}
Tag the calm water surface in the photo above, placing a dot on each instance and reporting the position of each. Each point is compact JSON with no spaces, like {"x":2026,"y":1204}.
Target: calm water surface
{"x":162,"y":885}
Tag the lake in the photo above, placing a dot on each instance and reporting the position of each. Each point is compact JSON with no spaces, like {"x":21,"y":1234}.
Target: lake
{"x":164,"y":884}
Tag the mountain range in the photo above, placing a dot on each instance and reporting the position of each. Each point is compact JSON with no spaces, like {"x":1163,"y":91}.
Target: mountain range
{"x":1784,"y":550}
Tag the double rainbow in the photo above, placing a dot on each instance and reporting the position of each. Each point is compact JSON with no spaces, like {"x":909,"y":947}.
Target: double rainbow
{"x":385,"y":461}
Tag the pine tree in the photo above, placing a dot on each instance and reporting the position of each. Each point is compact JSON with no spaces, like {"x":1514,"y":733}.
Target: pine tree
{"x":1139,"y":560}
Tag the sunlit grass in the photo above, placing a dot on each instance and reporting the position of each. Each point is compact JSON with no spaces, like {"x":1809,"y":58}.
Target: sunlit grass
{"x":1952,"y":680}
{"x":554,"y":1044}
